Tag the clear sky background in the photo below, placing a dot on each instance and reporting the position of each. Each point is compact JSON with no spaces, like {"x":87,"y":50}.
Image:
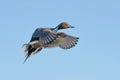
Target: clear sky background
{"x":95,"y":57}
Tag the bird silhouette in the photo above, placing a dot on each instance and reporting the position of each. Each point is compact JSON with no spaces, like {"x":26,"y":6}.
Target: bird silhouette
{"x":49,"y":37}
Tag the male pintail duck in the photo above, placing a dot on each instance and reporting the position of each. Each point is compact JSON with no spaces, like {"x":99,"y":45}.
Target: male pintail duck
{"x":49,"y":37}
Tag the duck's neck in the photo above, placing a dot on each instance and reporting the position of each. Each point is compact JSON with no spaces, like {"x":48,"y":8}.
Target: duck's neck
{"x":56,"y":28}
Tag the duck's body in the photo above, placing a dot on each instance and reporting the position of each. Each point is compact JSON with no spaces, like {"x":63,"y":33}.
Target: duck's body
{"x":49,"y":38}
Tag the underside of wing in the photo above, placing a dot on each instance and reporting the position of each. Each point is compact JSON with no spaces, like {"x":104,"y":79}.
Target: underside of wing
{"x":67,"y":41}
{"x":44,"y":35}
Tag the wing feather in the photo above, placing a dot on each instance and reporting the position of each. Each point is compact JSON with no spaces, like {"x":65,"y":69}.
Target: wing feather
{"x":67,"y":41}
{"x":44,"y":35}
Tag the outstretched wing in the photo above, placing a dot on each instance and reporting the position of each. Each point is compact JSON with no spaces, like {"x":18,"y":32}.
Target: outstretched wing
{"x":44,"y":35}
{"x":67,"y":41}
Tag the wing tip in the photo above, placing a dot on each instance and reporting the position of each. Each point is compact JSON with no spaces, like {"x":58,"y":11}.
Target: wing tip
{"x":77,"y":38}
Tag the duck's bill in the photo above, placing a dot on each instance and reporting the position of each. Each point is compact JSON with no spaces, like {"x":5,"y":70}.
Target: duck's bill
{"x":71,"y":27}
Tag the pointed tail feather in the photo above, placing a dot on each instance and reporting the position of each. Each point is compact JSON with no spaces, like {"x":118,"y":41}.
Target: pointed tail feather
{"x":26,"y":58}
{"x":26,"y":48}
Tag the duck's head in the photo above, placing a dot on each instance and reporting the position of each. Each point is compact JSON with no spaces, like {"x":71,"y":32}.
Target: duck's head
{"x":64,"y":25}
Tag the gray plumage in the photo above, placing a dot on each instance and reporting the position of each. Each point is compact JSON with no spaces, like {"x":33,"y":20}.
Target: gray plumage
{"x":44,"y":35}
{"x":49,"y":37}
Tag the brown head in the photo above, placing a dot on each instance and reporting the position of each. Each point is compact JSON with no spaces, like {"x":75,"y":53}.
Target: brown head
{"x":64,"y":25}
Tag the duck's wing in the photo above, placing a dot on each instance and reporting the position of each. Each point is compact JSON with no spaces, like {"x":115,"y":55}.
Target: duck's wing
{"x":67,"y":41}
{"x":44,"y":35}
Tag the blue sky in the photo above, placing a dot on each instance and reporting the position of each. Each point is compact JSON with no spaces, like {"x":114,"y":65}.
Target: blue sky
{"x":95,"y":57}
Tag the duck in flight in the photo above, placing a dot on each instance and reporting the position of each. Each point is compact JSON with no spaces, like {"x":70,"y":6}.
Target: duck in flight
{"x":49,"y":37}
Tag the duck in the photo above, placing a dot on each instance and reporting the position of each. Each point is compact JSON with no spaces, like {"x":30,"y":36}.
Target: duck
{"x":49,"y":38}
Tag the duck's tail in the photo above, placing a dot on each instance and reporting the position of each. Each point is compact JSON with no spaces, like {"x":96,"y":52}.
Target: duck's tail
{"x":29,"y":50}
